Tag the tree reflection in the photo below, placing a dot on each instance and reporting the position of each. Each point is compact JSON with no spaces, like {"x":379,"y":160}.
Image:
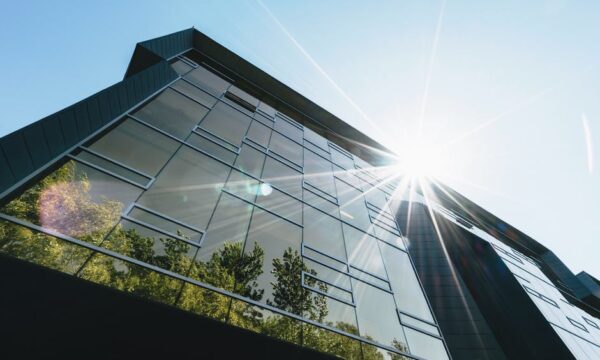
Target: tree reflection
{"x":62,"y":202}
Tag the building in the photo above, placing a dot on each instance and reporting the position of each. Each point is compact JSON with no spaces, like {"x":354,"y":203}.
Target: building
{"x":202,"y":208}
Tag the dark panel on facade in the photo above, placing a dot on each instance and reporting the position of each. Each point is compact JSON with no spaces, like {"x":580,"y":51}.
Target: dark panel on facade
{"x":28,"y":149}
{"x":68,"y":318}
{"x":517,"y":324}
{"x":466,"y":331}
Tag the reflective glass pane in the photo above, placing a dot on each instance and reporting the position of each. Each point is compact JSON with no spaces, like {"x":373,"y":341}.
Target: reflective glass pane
{"x":333,"y":313}
{"x":278,"y":243}
{"x":38,"y":248}
{"x":316,"y":139}
{"x":318,"y":172}
{"x":407,"y":320}
{"x":259,"y":133}
{"x":329,"y":342}
{"x":341,"y":159}
{"x":207,"y":81}
{"x":352,"y":206}
{"x":323,"y":233}
{"x":286,"y":148}
{"x":283,"y":177}
{"x":279,"y":203}
{"x":318,"y":201}
{"x":388,"y":237}
{"x":210,"y":147}
{"x":180,"y":67}
{"x":195,"y":93}
{"x":407,"y":291}
{"x":204,"y":302}
{"x":377,"y":317}
{"x":173,"y":113}
{"x":363,"y":251}
{"x":244,"y":95}
{"x":287,"y":128}
{"x":226,"y":123}
{"x":242,"y":185}
{"x":425,"y":346}
{"x":250,"y":160}
{"x":131,"y":278}
{"x":137,"y":146}
{"x":165,"y":224}
{"x":75,"y":200}
{"x":188,"y":187}
{"x":151,"y":247}
{"x":267,"y":109}
{"x":112,"y":167}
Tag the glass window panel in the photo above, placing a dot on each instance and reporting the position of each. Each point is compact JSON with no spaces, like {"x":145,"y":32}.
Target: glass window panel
{"x":389,"y":237}
{"x":407,"y":320}
{"x":329,"y":342}
{"x":373,"y":352}
{"x":212,"y":148}
{"x":316,"y":139}
{"x":279,"y":203}
{"x":242,"y":185}
{"x":283,"y":177}
{"x":243,"y":95}
{"x":204,"y":302}
{"x":312,"y":282}
{"x":137,"y":146}
{"x":38,"y":248}
{"x":317,"y":150}
{"x":280,"y":243}
{"x":259,"y":133}
{"x":369,"y":278}
{"x":286,"y":148}
{"x":263,"y":321}
{"x":407,"y":290}
{"x":311,"y":254}
{"x":192,"y":91}
{"x":287,"y":128}
{"x":165,"y":224}
{"x":267,"y":109}
{"x":377,"y":317}
{"x":332,"y":312}
{"x":318,"y":172}
{"x":250,"y":160}
{"x":352,"y":206}
{"x":363,"y":251}
{"x":377,"y":197}
{"x":228,"y":225}
{"x":131,"y":278}
{"x":347,"y":177}
{"x":321,"y":203}
{"x":180,"y":67}
{"x":173,"y":113}
{"x":425,"y":346}
{"x":151,"y":247}
{"x":112,"y":167}
{"x":208,"y":81}
{"x":188,"y":188}
{"x":327,"y":274}
{"x":227,"y":123}
{"x":323,"y":233}
{"x":268,"y":122}
{"x":341,"y":159}
{"x":74,"y":200}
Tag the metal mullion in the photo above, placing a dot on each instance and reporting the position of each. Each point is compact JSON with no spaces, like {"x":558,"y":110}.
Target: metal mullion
{"x":179,"y":54}
{"x":418,"y":318}
{"x":370,"y":273}
{"x":165,"y":217}
{"x":187,"y":61}
{"x":324,"y":254}
{"x":326,"y":282}
{"x":198,"y":127}
{"x":413,"y":327}
{"x":216,"y":143}
{"x":315,"y":190}
{"x":290,"y":120}
{"x":158,"y":229}
{"x":93,"y":152}
{"x":108,"y":172}
{"x":261,"y":207}
{"x":312,"y":143}
{"x":381,"y":224}
{"x":324,"y":293}
{"x":284,"y":161}
{"x":287,"y":137}
{"x":189,"y":97}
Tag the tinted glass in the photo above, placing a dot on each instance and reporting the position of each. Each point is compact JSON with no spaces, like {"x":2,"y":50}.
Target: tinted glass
{"x":242,"y":185}
{"x":323,"y":233}
{"x":259,"y":133}
{"x":188,"y":188}
{"x":208,"y":81}
{"x":363,"y":251}
{"x":137,"y":146}
{"x":210,"y":147}
{"x":180,"y":67}
{"x":250,"y":160}
{"x":318,"y":172}
{"x":173,"y":113}
{"x":283,"y":177}
{"x":227,"y":123}
{"x":290,"y":130}
{"x":425,"y":346}
{"x":279,"y":203}
{"x":352,"y":206}
{"x":195,"y":93}
{"x":286,"y":148}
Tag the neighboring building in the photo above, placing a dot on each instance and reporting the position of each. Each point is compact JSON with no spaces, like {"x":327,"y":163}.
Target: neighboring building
{"x":233,"y":217}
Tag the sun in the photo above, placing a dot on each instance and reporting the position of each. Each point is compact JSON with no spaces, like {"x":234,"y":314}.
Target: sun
{"x":421,"y":159}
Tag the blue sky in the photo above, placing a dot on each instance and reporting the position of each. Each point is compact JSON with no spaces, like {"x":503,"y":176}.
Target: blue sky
{"x":499,"y":90}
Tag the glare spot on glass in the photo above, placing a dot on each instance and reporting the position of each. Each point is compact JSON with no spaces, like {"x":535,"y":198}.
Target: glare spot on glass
{"x":346,"y":214}
{"x":265,"y":189}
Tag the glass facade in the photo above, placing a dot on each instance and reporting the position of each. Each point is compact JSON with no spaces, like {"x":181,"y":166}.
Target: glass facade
{"x":579,"y":330}
{"x":195,"y":200}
